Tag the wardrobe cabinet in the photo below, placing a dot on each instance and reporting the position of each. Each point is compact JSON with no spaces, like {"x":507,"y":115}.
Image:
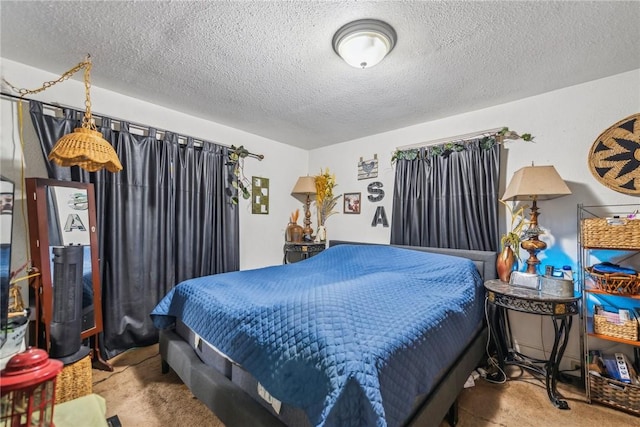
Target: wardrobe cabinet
{"x":64,"y":250}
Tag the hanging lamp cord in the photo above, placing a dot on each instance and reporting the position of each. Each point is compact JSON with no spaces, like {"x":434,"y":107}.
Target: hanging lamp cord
{"x":47,"y":85}
{"x":87,"y":122}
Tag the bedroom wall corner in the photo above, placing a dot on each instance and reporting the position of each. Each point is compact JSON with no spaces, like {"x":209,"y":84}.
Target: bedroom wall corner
{"x":262,"y":236}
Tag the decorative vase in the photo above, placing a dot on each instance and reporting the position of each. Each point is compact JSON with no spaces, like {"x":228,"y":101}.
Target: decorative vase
{"x":294,"y":233}
{"x":321,"y":234}
{"x":504,"y":264}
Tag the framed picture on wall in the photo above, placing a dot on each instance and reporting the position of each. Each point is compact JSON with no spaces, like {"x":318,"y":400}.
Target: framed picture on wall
{"x":6,"y":203}
{"x":259,"y":195}
{"x":351,"y":203}
{"x":368,"y":168}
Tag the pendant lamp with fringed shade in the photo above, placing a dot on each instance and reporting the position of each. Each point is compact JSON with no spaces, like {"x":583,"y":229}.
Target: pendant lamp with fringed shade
{"x":84,"y":147}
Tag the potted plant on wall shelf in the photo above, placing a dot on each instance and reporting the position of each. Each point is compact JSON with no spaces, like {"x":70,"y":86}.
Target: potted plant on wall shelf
{"x":510,"y":243}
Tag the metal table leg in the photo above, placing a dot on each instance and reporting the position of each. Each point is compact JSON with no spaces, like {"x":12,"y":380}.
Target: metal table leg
{"x":497,"y":327}
{"x":562,"y":326}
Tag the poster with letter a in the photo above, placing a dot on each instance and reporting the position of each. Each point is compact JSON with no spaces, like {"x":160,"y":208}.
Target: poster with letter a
{"x":72,"y":214}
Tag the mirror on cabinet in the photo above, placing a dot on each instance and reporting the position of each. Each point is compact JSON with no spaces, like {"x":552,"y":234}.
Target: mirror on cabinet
{"x":13,"y":316}
{"x":64,"y":249}
{"x":6,"y":225}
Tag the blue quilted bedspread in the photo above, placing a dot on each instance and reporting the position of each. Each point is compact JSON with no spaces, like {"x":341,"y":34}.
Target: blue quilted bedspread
{"x":351,"y":335}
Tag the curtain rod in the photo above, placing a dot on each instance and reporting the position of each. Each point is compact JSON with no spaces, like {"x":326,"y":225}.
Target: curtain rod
{"x":115,"y":119}
{"x":457,"y":138}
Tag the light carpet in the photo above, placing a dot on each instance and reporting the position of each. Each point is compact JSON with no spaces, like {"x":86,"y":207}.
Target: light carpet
{"x":141,"y":396}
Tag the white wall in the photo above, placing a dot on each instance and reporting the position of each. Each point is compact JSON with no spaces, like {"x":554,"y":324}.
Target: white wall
{"x":11,"y":161}
{"x":565,"y":124}
{"x":261,"y":236}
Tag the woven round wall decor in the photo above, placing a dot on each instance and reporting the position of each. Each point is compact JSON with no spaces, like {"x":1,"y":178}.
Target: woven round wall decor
{"x":614,"y":158}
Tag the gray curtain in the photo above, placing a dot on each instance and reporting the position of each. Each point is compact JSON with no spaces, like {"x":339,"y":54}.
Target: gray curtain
{"x":164,"y":218}
{"x":447,"y":196}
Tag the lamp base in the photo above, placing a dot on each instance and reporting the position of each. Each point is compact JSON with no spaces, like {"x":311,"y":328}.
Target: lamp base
{"x":533,"y":246}
{"x":307,"y":231}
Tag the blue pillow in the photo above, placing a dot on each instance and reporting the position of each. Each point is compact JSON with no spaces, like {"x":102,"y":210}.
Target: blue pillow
{"x":609,"y":268}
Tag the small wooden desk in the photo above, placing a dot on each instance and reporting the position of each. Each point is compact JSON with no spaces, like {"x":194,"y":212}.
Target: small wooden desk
{"x":502,"y":297}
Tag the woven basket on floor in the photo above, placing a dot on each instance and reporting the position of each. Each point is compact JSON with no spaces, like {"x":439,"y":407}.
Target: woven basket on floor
{"x":598,"y":233}
{"x":615,"y":283}
{"x":628,"y":330}
{"x":615,"y":393}
{"x":74,"y":381}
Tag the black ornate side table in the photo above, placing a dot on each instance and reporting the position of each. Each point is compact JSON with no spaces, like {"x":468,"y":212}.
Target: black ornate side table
{"x":502,"y":297}
{"x":294,"y":252}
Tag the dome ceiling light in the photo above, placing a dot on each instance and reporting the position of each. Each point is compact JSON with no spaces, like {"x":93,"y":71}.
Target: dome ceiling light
{"x":364,"y":43}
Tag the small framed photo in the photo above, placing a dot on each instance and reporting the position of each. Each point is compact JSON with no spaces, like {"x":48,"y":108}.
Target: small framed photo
{"x":6,"y":203}
{"x":351,"y":203}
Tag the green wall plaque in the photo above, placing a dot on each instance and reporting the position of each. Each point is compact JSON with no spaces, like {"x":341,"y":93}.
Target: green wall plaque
{"x":259,"y":195}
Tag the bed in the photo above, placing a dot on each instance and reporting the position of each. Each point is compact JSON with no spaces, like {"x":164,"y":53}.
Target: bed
{"x":359,"y":334}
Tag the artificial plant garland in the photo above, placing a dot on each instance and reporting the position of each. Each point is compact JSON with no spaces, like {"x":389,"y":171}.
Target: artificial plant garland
{"x":447,"y":148}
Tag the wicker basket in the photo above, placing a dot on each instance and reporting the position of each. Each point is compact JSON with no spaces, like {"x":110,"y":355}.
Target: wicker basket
{"x":615,"y":393}
{"x":74,"y":381}
{"x":628,"y":330}
{"x":616,"y":283}
{"x":598,"y":233}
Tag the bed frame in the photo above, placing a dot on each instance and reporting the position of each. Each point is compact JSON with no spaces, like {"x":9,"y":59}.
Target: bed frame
{"x":234,"y":407}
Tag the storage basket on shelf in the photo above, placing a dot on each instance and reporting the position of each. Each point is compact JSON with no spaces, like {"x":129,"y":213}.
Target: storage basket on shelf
{"x":615,"y":393}
{"x":627,"y":329}
{"x":621,"y":233}
{"x":615,"y":283}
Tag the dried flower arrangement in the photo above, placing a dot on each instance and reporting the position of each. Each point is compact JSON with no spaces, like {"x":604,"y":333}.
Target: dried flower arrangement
{"x":294,"y":216}
{"x":325,"y":200}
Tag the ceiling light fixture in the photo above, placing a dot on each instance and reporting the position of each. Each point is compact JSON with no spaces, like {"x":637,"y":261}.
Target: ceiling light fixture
{"x":364,"y":43}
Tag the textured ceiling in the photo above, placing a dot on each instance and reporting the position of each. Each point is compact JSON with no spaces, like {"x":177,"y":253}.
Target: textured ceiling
{"x":268,"y":67}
